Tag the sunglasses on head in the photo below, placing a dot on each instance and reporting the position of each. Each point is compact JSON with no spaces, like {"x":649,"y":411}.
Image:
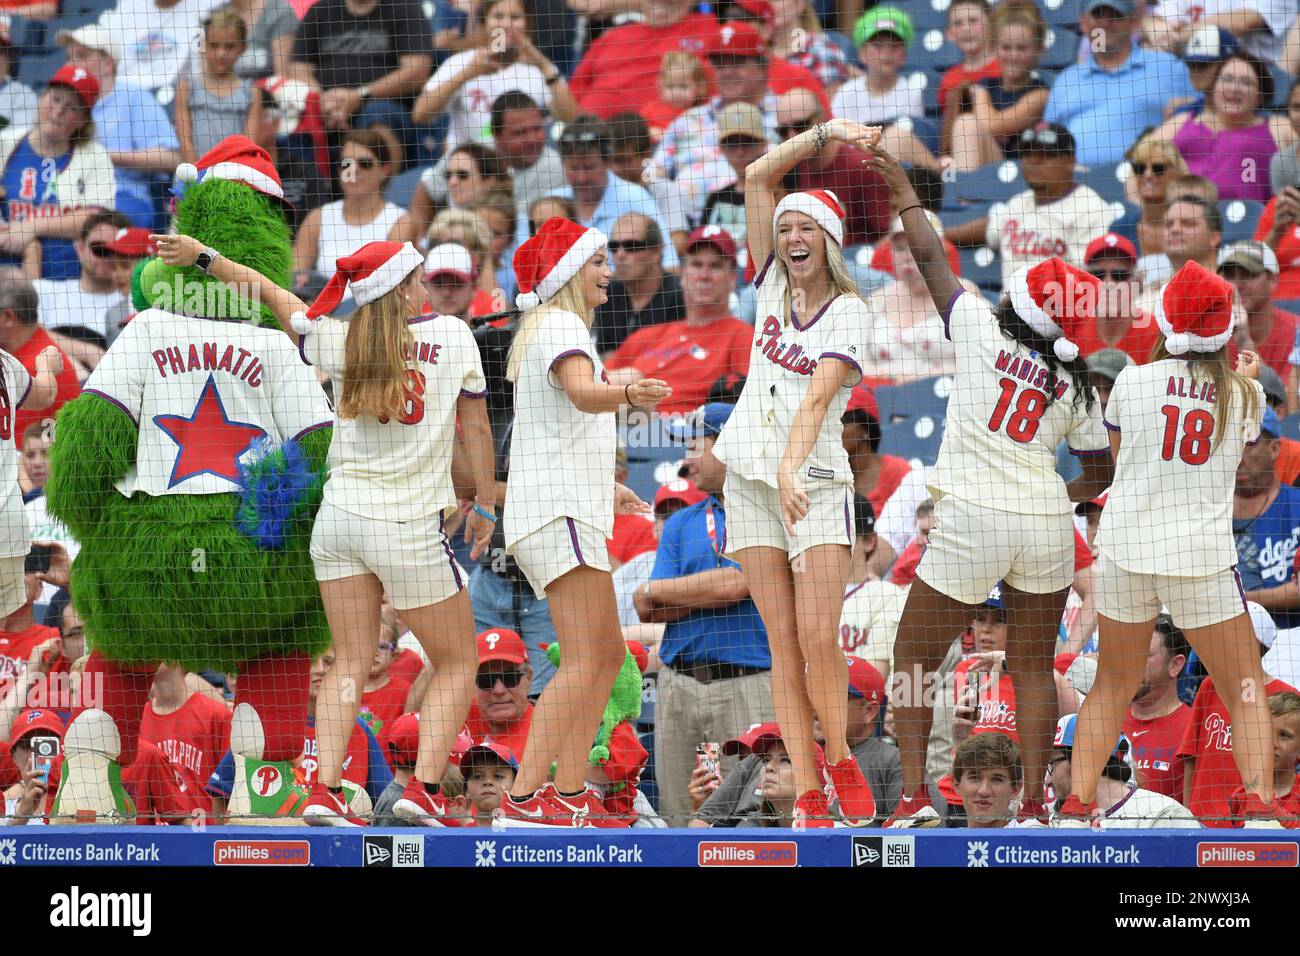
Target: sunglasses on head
{"x":628,"y":245}
{"x":1157,"y":169}
{"x":787,"y":130}
{"x":487,"y":681}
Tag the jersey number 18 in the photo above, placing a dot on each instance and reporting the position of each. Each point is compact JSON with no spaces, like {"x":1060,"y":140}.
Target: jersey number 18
{"x":413,"y":414}
{"x":1023,"y":420}
{"x":1197,"y":429}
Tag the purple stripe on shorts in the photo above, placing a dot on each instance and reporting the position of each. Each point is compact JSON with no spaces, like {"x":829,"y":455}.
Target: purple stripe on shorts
{"x":848,"y":520}
{"x":451,"y":558}
{"x":573,"y":538}
{"x":1236,"y":576}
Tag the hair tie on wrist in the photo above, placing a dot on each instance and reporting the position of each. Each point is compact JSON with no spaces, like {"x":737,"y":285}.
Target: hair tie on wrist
{"x":628,"y":395}
{"x":915,"y":205}
{"x":482,"y":512}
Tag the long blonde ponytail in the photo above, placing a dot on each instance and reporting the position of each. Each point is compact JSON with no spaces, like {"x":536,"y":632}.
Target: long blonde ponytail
{"x":376,"y":356}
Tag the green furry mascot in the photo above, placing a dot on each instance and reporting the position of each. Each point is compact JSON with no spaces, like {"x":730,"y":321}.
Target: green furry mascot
{"x":190,"y":471}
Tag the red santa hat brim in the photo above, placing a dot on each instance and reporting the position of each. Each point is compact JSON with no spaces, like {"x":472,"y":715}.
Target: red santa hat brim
{"x":1194,"y":311}
{"x":1033,"y":288}
{"x":821,"y":205}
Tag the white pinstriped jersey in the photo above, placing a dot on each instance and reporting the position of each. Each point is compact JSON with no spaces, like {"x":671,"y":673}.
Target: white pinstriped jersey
{"x":17,"y":382}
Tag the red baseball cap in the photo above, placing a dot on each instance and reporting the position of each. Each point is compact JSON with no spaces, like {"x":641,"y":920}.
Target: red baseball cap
{"x":500,"y":751}
{"x":863,"y":398}
{"x":132,"y":243}
{"x":764,"y":741}
{"x":640,"y":654}
{"x":679,"y":489}
{"x":865,"y":681}
{"x":756,"y":8}
{"x":35,"y":720}
{"x":80,"y":80}
{"x":745,"y":742}
{"x":1061,"y":663}
{"x":501,"y":644}
{"x":714,"y":236}
{"x":738,"y":41}
{"x":401,"y":739}
{"x":1109,"y":245}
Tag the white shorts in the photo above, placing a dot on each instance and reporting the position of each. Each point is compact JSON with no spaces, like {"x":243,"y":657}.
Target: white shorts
{"x":1132,"y":597}
{"x":412,"y":558}
{"x":555,"y":549}
{"x":754,"y":517}
{"x":13,"y":584}
{"x":972,"y":548}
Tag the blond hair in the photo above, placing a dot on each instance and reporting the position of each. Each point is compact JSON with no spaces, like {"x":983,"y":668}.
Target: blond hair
{"x":1020,"y":12}
{"x":841,"y":282}
{"x":1284,"y":704}
{"x":1157,"y":150}
{"x":225,"y":18}
{"x":376,"y":355}
{"x":1227,"y":381}
{"x":568,"y":299}
{"x":690,"y":64}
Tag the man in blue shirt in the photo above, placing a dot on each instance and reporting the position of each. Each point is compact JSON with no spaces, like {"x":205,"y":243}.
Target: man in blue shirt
{"x":716,"y":680}
{"x":1119,"y":91}
{"x":1266,"y":524}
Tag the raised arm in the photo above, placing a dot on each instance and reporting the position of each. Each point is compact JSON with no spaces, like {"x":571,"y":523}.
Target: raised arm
{"x":45,"y":383}
{"x":764,"y":175}
{"x":927,"y":248}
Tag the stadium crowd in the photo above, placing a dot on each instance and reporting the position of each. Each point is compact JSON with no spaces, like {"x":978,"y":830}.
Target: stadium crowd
{"x":1126,"y":137}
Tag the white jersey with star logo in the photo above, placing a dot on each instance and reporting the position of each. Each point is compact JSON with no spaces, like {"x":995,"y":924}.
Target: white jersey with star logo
{"x":400,"y":468}
{"x":202,"y":392}
{"x":781,"y":366}
{"x":17,"y":383}
{"x":1001,"y":434}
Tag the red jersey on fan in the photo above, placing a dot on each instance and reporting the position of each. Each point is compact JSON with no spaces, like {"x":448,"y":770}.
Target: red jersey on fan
{"x":1209,"y":740}
{"x":997,"y":713}
{"x":891,"y":474}
{"x":514,"y":736}
{"x":955,"y":76}
{"x":1291,"y":806}
{"x":1154,"y":750}
{"x":633,"y":535}
{"x":161,"y":790}
{"x":356,"y":762}
{"x":387,"y":702}
{"x":1136,"y":343}
{"x":406,"y":665}
{"x":690,"y":358}
{"x":68,"y":385}
{"x":193,"y":738}
{"x":15,"y":648}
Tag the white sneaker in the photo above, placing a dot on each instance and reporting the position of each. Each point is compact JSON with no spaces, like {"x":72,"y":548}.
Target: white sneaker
{"x":923,"y":819}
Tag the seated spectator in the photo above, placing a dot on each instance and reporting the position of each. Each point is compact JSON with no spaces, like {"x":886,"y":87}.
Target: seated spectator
{"x":1119,"y":90}
{"x":449,"y":277}
{"x":384,"y":696}
{"x":909,"y":340}
{"x":368,"y":61}
{"x":682,"y":85}
{"x":156,"y":38}
{"x":129,"y":121}
{"x":1157,"y":720}
{"x":270,"y":26}
{"x":30,"y":801}
{"x":488,"y":770}
{"x":401,"y":743}
{"x":875,"y":476}
{"x":22,"y":337}
{"x":1265,"y":520}
{"x":304,"y":187}
{"x":17,"y":101}
{"x":1259,"y":25}
{"x":772,"y":788}
{"x":1285,"y":709}
{"x":20,"y":635}
{"x":1284,"y":169}
{"x":191,"y":729}
{"x":1156,"y":165}
{"x":497,"y":211}
{"x":988,"y":777}
{"x":35,"y":471}
{"x":631,"y":148}
{"x":742,"y":137}
{"x":549,"y":207}
{"x":45,"y":212}
{"x":884,"y":93}
{"x":990,"y":111}
{"x":519,"y":137}
{"x":1117,"y":323}
{"x":1229,"y":142}
{"x":872,"y":607}
{"x":501,"y":711}
{"x":1210,"y":774}
{"x":1252,"y":268}
{"x":466,"y":228}
{"x":795,"y":34}
{"x":903,"y":573}
{"x":363,"y":214}
{"x":971,"y":31}
{"x":708,"y":343}
{"x":754,"y":17}
{"x":212,"y":100}
{"x":1104,"y":367}
{"x":1123,"y":802}
{"x":1204,"y":53}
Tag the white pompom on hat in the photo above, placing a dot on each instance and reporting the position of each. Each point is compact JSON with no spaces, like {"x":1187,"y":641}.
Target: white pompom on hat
{"x":1194,"y":310}
{"x":551,"y":258}
{"x":822,"y":205}
{"x":1055,"y":300}
{"x":373,"y":271}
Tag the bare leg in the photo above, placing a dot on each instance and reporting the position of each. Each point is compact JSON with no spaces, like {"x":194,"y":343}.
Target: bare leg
{"x":819,"y":579}
{"x":352,"y":609}
{"x":1032,"y":624}
{"x":972,"y":146}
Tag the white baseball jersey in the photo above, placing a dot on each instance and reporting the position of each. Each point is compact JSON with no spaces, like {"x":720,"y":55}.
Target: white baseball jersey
{"x":394,"y":469}
{"x":561,"y":459}
{"x":1024,"y":232}
{"x":203,"y":392}
{"x":781,"y":366}
{"x":1147,"y":810}
{"x":870,"y":619}
{"x":1169,"y":510}
{"x":999,"y":446}
{"x":17,"y":383}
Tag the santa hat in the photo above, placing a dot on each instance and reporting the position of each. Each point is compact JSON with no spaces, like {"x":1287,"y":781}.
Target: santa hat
{"x":1055,"y":300}
{"x":1194,"y":311}
{"x":822,"y":205}
{"x":239,"y":159}
{"x":373,"y":271}
{"x":551,"y":258}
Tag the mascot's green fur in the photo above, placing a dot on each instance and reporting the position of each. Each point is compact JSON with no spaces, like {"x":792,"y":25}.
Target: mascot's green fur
{"x":170,"y":578}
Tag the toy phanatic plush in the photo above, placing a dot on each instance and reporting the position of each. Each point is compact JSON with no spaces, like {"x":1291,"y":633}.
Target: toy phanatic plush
{"x":190,"y":471}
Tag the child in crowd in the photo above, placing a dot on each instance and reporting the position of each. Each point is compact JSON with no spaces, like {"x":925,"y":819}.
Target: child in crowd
{"x":988,"y":774}
{"x":488,"y":770}
{"x":904,"y":569}
{"x":968,"y":30}
{"x":885,"y":93}
{"x":35,"y":460}
{"x":1285,"y":708}
{"x":683,"y":85}
{"x":212,"y":102}
{"x":401,"y":743}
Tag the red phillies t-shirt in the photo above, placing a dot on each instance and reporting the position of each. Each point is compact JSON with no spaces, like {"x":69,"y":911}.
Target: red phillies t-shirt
{"x":633,"y":535}
{"x":1275,"y":351}
{"x":860,"y":190}
{"x":388,"y":702}
{"x":1209,"y":740}
{"x":1291,"y":806}
{"x":15,"y":648}
{"x":356,"y":762}
{"x":1155,"y":754}
{"x":891,"y":474}
{"x":193,"y":738}
{"x":163,"y":792}
{"x":406,"y":665}
{"x":997,"y":710}
{"x":69,"y":388}
{"x":514,"y":735}
{"x":690,"y":358}
{"x":882,"y":258}
{"x":1288,"y":254}
{"x":1137,"y":342}
{"x":955,"y":76}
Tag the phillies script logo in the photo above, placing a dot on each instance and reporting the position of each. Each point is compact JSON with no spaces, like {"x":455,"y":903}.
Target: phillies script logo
{"x":266,"y":780}
{"x":1029,"y":243}
{"x":789,"y":356}
{"x":1218,"y":733}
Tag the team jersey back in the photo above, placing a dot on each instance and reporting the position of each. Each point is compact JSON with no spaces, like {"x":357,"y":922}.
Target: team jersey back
{"x":1170,"y":506}
{"x":999,"y":447}
{"x":17,"y":383}
{"x":204,"y":393}
{"x":782,"y":361}
{"x":399,"y":468}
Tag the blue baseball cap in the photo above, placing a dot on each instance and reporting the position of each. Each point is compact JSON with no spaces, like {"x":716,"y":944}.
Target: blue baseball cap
{"x":1270,"y":426}
{"x":1064,"y":738}
{"x":707,"y":420}
{"x":1209,"y":44}
{"x":995,"y":597}
{"x":1125,"y":8}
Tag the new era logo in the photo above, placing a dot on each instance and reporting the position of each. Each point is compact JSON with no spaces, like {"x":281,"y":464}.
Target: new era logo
{"x":866,"y":851}
{"x":377,"y":851}
{"x":884,"y":852}
{"x":392,"y":851}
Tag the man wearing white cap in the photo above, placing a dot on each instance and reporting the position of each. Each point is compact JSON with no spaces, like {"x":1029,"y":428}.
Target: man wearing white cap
{"x":1251,"y":266}
{"x":449,"y":275}
{"x":129,"y":122}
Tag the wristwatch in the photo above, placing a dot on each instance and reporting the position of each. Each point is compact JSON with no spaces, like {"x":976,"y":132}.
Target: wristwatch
{"x":205,"y":259}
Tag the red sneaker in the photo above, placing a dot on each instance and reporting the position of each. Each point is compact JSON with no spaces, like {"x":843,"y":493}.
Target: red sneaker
{"x":1073,"y":814}
{"x":1253,"y":812}
{"x":542,"y":810}
{"x":423,"y":808}
{"x":1033,"y":809}
{"x":811,"y":812}
{"x":587,"y":807}
{"x":857,"y":802}
{"x":914,"y":812}
{"x":325,"y":808}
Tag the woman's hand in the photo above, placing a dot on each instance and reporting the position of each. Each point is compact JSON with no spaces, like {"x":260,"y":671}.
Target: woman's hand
{"x":528,"y":53}
{"x":891,"y":170}
{"x":853,"y":134}
{"x":1248,"y":364}
{"x":178,"y":250}
{"x":628,"y":502}
{"x":478,"y":530}
{"x":794,"y":500}
{"x":60,"y":570}
{"x":44,"y":655}
{"x":648,"y":392}
{"x":50,"y":360}
{"x":703,"y":783}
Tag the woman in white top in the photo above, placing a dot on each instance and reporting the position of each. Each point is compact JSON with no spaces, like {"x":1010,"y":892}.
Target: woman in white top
{"x":562,"y":499}
{"x":1178,"y":427}
{"x":18,"y":389}
{"x":1002,"y":511}
{"x":362,"y":215}
{"x":403,"y":380}
{"x":789,"y":489}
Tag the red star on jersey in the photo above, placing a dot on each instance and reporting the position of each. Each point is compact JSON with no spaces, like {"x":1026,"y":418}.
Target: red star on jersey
{"x":210,"y":443}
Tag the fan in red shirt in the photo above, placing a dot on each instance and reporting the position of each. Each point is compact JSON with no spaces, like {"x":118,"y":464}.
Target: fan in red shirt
{"x":1118,"y":323}
{"x":1279,"y":226}
{"x":501,"y":712}
{"x":875,"y":476}
{"x":969,"y":31}
{"x":692,"y":354}
{"x":1157,"y":720}
{"x":190,"y":728}
{"x":385,"y":695}
{"x":1252,"y":268}
{"x":1285,"y":709}
{"x":20,"y":635}
{"x":24,"y":339}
